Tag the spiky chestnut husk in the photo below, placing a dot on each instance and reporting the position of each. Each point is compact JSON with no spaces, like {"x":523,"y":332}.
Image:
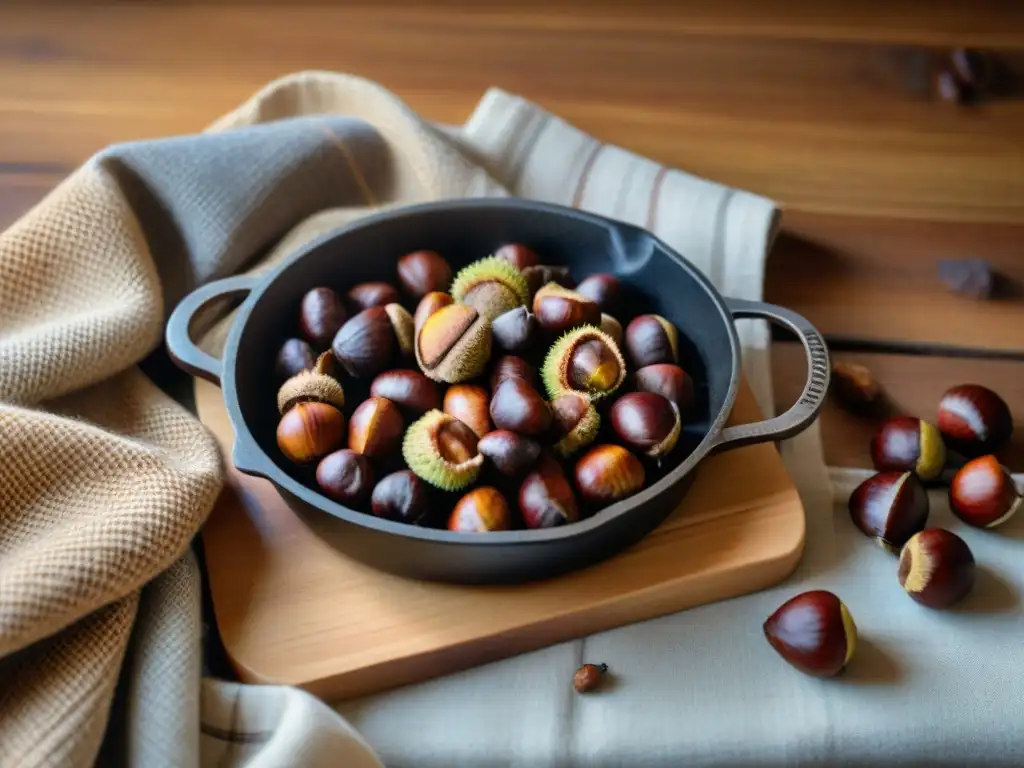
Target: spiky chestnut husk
{"x":556,"y":371}
{"x":402,"y":323}
{"x":576,"y":421}
{"x":453,"y":344}
{"x":442,"y":450}
{"x":492,"y":286}
{"x":310,"y":386}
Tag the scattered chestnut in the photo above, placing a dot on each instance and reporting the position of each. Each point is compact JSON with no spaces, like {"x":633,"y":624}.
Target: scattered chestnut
{"x":612,"y":327}
{"x":310,"y":430}
{"x":518,"y":255}
{"x":479,"y":511}
{"x":647,"y":422}
{"x":510,"y":453}
{"x":517,"y":406}
{"x":409,"y":390}
{"x":588,"y":677}
{"x":512,"y":367}
{"x":442,"y":450}
{"x":422,"y":272}
{"x":890,"y":507}
{"x":515,"y":330}
{"x":669,"y":381}
{"x":546,"y":498}
{"x":575,"y":423}
{"x":428,"y":305}
{"x":321,"y":314}
{"x":540,"y":275}
{"x":376,"y":428}
{"x":936,"y":568}
{"x":651,"y":339}
{"x":372,"y":294}
{"x":295,"y":356}
{"x":905,"y":443}
{"x":602,"y":289}
{"x":453,"y":344}
{"x":345,"y":476}
{"x":814,"y":632}
{"x":608,"y":473}
{"x":559,"y":309}
{"x":492,"y":286}
{"x":856,"y":388}
{"x":469,"y":404}
{"x":974,"y":419}
{"x":983,"y":493}
{"x":366,"y":344}
{"x":400,"y":496}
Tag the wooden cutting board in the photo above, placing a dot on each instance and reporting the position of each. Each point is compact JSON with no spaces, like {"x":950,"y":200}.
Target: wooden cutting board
{"x":292,"y":610}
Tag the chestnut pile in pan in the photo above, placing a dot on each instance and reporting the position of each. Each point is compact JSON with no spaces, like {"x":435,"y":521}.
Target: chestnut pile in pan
{"x":814,"y":631}
{"x":504,"y":396}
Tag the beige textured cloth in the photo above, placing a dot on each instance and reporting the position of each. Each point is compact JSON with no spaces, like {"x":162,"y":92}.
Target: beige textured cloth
{"x":104,"y":479}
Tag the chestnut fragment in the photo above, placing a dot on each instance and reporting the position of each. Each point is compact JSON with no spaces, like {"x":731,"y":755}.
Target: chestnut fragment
{"x":890,"y":507}
{"x":366,"y":344}
{"x":321,"y":314}
{"x":559,"y":309}
{"x":588,"y":677}
{"x":310,"y":430}
{"x":651,"y":339}
{"x":376,"y":428}
{"x":469,"y":404}
{"x":602,"y":289}
{"x":515,"y":330}
{"x":422,"y":272}
{"x":907,"y":444}
{"x":936,"y":568}
{"x":479,"y":511}
{"x":410,"y":390}
{"x":518,"y":255}
{"x":400,"y":496}
{"x":510,"y":453}
{"x":517,"y":406}
{"x":295,"y":356}
{"x":345,"y":476}
{"x":814,"y":632}
{"x":671,"y":382}
{"x":974,"y":419}
{"x":371,"y":294}
{"x":647,"y":422}
{"x":512,"y":367}
{"x":546,"y":498}
{"x":983,"y":493}
{"x":608,"y":473}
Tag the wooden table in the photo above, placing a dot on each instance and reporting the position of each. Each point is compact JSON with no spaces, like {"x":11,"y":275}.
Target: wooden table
{"x":833,"y":116}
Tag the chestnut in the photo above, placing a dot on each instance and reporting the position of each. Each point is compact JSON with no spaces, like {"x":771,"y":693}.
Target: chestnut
{"x":907,"y":444}
{"x":372,"y":294}
{"x":510,"y":453}
{"x":479,"y":511}
{"x":492,"y":286}
{"x":376,"y":428}
{"x":515,"y":330}
{"x":307,"y":386}
{"x":453,"y":344}
{"x":428,"y":305}
{"x":647,"y":422}
{"x":518,"y":255}
{"x":612,"y":327}
{"x":669,"y":381}
{"x":588,"y":677}
{"x":310,"y":430}
{"x":400,"y":496}
{"x":559,"y":309}
{"x":469,"y":404}
{"x":540,"y":275}
{"x":602,"y":289}
{"x":575,"y":422}
{"x":546,"y":498}
{"x":584,"y":360}
{"x":651,"y":339}
{"x":321,"y":314}
{"x":608,"y":473}
{"x":366,"y":344}
{"x":422,"y":272}
{"x":517,"y":406}
{"x":814,"y":632}
{"x":974,"y":420}
{"x":443,"y":451}
{"x":345,"y":476}
{"x":512,"y":367}
{"x":295,"y":356}
{"x":890,"y":507}
{"x":856,"y":388}
{"x":936,"y":568}
{"x":983,"y":493}
{"x":410,"y":390}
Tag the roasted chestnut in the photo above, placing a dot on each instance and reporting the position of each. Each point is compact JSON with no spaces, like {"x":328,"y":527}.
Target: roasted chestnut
{"x":907,"y":444}
{"x":372,"y":294}
{"x":453,"y":344}
{"x":321,"y":314}
{"x":410,"y":390}
{"x":518,"y":255}
{"x":983,"y":493}
{"x":376,"y":428}
{"x":345,"y":476}
{"x":647,"y":422}
{"x":974,"y":420}
{"x":602,"y":289}
{"x":669,"y":381}
{"x":511,"y":454}
{"x":492,"y":286}
{"x":651,"y":339}
{"x":517,"y":406}
{"x":295,"y":356}
{"x":608,"y":473}
{"x":890,"y":507}
{"x":814,"y":632}
{"x":936,"y":568}
{"x":546,"y":499}
{"x":421,"y":272}
{"x":515,"y":330}
{"x":469,"y":404}
{"x":310,"y":430}
{"x":479,"y":511}
{"x":511,"y":367}
{"x":559,"y":309}
{"x":401,"y":496}
{"x":442,"y":450}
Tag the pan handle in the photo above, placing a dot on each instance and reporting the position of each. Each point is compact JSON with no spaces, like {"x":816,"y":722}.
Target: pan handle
{"x":806,"y":408}
{"x":183,"y":351}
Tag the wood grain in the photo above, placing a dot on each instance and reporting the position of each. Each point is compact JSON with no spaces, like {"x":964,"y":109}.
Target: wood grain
{"x":913,"y":383}
{"x":292,"y":610}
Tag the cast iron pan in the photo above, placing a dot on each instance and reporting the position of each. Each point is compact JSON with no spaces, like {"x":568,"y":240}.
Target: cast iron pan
{"x":655,"y":279}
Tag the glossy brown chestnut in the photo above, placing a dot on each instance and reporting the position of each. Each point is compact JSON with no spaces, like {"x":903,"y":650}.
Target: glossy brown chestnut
{"x":890,"y":507}
{"x":974,"y":420}
{"x":366,"y":344}
{"x":510,"y":453}
{"x":345,"y":476}
{"x":546,"y":498}
{"x":983,"y":493}
{"x":321,"y":314}
{"x":295,"y":356}
{"x":422,"y":272}
{"x":517,"y":406}
{"x":401,"y":496}
{"x":515,"y":330}
{"x":814,"y":632}
{"x":479,"y":511}
{"x":518,"y":255}
{"x":428,"y":305}
{"x":936,"y":568}
{"x":669,"y":381}
{"x":612,"y":327}
{"x":602,"y":289}
{"x":512,"y":367}
{"x":647,"y":422}
{"x":608,"y":473}
{"x":376,"y":428}
{"x":410,"y":390}
{"x":651,"y":339}
{"x":310,"y":430}
{"x":588,"y":677}
{"x":907,"y":444}
{"x":559,"y":309}
{"x":593,"y":367}
{"x":469,"y":404}
{"x":373,"y":294}
{"x":538,"y":276}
